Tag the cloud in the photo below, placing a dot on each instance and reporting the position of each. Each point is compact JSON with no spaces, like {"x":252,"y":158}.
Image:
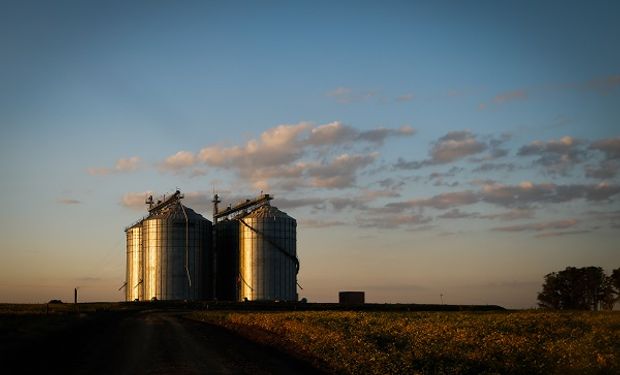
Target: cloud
{"x":332,"y":133}
{"x":199,"y":201}
{"x":404,"y":164}
{"x":122,"y":165}
{"x":602,"y":85}
{"x":557,"y":157}
{"x":69,"y":201}
{"x":510,"y":96}
{"x":611,"y":217}
{"x":558,"y":224}
{"x":379,"y":135}
{"x":455,"y":213}
{"x":453,"y":146}
{"x":564,"y":233}
{"x":340,"y":172}
{"x":609,"y":146}
{"x":514,"y":214}
{"x":391,"y":183}
{"x":405,"y":98}
{"x":605,"y":170}
{"x":440,"y":201}
{"x":338,"y":133}
{"x":503,"y":98}
{"x":491,"y":167}
{"x":346,"y":95}
{"x":276,"y":146}
{"x":520,"y":197}
{"x":135,"y":200}
{"x":313,"y":223}
{"x":609,"y":166}
{"x":527,"y":193}
{"x":358,"y":202}
{"x":284,"y":203}
{"x":178,"y":161}
{"x":284,"y":157}
{"x":392,"y":221}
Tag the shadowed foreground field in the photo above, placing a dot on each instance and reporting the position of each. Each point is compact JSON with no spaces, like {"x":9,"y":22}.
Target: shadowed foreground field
{"x":438,"y":342}
{"x":129,"y":339}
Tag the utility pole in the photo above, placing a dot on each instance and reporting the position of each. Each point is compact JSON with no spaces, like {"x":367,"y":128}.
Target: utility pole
{"x":75,"y":299}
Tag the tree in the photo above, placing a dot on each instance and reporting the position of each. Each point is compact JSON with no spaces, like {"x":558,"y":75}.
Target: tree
{"x":586,"y":288}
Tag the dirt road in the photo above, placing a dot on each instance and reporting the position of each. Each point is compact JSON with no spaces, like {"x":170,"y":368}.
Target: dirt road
{"x":152,"y":343}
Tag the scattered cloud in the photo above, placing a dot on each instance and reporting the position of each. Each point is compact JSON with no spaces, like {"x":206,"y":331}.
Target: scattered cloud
{"x":69,"y":201}
{"x":122,"y":165}
{"x":510,"y":96}
{"x":178,"y":161}
{"x":405,"y":98}
{"x":514,"y":214}
{"x":557,"y":157}
{"x":457,"y":145}
{"x":392,"y":221}
{"x":527,"y":193}
{"x":276,"y":146}
{"x":609,"y":166}
{"x":313,"y":223}
{"x":340,"y":172}
{"x":338,"y":133}
{"x":602,"y":85}
{"x":503,"y":98}
{"x":612,"y":218}
{"x":379,"y":135}
{"x":135,"y":200}
{"x":346,"y":95}
{"x":285,"y":157}
{"x":606,"y":169}
{"x":609,"y":146}
{"x":492,"y":167}
{"x":284,"y":203}
{"x":519,"y":197}
{"x":331,"y":133}
{"x":563,"y":233}
{"x":455,"y":213}
{"x":558,"y":224}
{"x":440,"y":201}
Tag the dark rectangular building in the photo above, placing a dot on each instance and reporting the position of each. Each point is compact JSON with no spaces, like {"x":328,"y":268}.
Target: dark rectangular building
{"x":351,"y":298}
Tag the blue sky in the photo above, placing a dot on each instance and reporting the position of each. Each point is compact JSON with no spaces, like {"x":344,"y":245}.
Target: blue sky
{"x":463,"y":149}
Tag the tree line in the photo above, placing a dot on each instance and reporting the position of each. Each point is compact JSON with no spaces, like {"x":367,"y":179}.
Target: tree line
{"x":584,"y":288}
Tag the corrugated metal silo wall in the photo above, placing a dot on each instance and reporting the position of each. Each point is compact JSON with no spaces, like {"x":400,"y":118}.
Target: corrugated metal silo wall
{"x":265,"y":272}
{"x":227,"y":260}
{"x":164,"y":244}
{"x":134,"y":287}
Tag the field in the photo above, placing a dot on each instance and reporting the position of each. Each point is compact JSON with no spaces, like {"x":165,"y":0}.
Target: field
{"x":534,"y":342}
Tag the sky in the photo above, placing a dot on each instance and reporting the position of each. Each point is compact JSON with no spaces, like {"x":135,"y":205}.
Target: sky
{"x":430,"y":151}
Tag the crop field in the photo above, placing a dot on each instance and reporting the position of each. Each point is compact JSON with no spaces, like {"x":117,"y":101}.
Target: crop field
{"x":532,"y":342}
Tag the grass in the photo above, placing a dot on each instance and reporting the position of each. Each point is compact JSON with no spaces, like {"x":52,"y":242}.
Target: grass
{"x":533,"y":342}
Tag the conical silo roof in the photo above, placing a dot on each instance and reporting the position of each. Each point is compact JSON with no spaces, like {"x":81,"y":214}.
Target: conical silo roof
{"x":267,"y":212}
{"x":175,"y":212}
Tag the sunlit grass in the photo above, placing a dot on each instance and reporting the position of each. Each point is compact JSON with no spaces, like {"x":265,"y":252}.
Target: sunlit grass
{"x":455,"y":343}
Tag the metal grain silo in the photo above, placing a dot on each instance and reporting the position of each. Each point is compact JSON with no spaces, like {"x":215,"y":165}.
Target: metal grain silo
{"x":227,"y":260}
{"x":268,"y":261}
{"x":176,"y":242}
{"x":134,"y":288}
